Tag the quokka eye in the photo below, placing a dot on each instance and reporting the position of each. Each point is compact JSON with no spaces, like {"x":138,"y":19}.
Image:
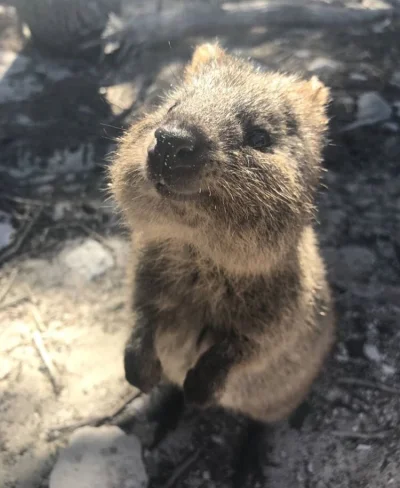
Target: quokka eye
{"x":259,"y":139}
{"x":173,"y":106}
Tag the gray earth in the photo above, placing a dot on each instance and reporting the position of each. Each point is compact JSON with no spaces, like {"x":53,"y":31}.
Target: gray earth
{"x":63,"y":254}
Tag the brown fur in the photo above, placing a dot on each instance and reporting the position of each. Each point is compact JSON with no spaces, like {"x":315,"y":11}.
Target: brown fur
{"x":229,"y":290}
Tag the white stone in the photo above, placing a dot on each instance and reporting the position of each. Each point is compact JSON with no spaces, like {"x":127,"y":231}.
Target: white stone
{"x":395,"y":79}
{"x":302,"y":53}
{"x":388,"y":370}
{"x":60,"y":209}
{"x":103,"y":457}
{"x":6,"y":232}
{"x":372,"y":353}
{"x":323,"y":64}
{"x":88,"y":259}
{"x":358,"y":77}
{"x":371,"y":108}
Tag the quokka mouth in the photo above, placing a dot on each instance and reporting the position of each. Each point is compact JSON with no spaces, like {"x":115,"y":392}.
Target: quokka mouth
{"x":168,"y":192}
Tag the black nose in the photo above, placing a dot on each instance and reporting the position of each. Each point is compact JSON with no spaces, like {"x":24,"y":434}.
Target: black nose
{"x":173,"y":144}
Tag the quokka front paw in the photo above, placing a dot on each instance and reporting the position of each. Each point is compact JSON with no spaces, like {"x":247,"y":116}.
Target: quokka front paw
{"x":143,"y":373}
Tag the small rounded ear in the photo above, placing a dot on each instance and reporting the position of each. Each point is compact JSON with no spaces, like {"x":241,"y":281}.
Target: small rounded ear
{"x":317,"y":91}
{"x":202,"y":55}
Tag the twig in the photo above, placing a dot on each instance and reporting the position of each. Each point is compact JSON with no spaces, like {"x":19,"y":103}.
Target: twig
{"x":369,"y":384}
{"x":14,"y":247}
{"x":37,"y":340}
{"x":37,"y":318}
{"x":96,"y":421}
{"x":182,"y":468}
{"x":343,"y":434}
{"x":9,"y":285}
{"x":13,"y":302}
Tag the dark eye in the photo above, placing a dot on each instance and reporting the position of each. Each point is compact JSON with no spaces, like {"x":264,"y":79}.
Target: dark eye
{"x":173,"y":106}
{"x":258,"y":139}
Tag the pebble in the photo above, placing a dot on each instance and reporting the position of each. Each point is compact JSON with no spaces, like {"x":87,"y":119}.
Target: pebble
{"x":324,"y":64}
{"x":347,"y":102}
{"x":302,"y":53}
{"x":358,"y":77}
{"x":395,"y":79}
{"x":61,"y":209}
{"x":88,"y":259}
{"x":363,"y":447}
{"x":371,"y":109}
{"x":372,"y":353}
{"x":388,"y":370}
{"x":6,"y":230}
{"x":391,"y":126}
{"x":324,"y":68}
{"x":371,"y":106}
{"x":103,"y":457}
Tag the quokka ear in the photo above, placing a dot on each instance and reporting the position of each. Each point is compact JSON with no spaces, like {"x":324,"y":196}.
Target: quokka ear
{"x":202,"y":55}
{"x":316,"y":91}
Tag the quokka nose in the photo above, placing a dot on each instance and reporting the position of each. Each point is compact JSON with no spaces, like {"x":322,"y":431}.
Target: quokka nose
{"x":174,"y":143}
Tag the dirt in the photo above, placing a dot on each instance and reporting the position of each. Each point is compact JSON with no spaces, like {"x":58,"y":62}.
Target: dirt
{"x":63,"y":266}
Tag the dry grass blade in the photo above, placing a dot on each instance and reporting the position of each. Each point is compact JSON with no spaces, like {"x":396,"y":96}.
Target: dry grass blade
{"x":97,"y":421}
{"x":362,"y":435}
{"x":369,"y":384}
{"x":9,"y":285}
{"x":182,"y":468}
{"x":52,"y":373}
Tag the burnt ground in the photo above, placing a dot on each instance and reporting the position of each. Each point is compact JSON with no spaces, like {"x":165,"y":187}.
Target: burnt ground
{"x":62,"y":254}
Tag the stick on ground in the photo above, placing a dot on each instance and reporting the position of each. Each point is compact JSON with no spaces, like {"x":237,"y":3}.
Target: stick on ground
{"x":9,"y":285}
{"x":369,"y":384}
{"x":51,"y":371}
{"x":362,"y":435}
{"x":97,"y":421}
{"x":182,"y":469}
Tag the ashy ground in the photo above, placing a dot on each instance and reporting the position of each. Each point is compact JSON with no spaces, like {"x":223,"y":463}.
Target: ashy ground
{"x":63,"y":253}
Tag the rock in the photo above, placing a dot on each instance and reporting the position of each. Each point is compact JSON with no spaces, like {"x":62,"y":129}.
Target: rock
{"x":324,"y":68}
{"x":371,"y":108}
{"x":103,"y":457}
{"x":122,"y":96}
{"x":321,"y":65}
{"x":17,"y":83}
{"x":6,"y":230}
{"x":60,"y":209}
{"x":391,"y":126}
{"x":380,"y":27}
{"x":347,"y":102}
{"x":358,"y":77}
{"x":388,"y":370}
{"x":302,"y":53}
{"x":395,"y":79}
{"x":371,"y":352}
{"x":396,"y":105}
{"x":88,"y":259}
